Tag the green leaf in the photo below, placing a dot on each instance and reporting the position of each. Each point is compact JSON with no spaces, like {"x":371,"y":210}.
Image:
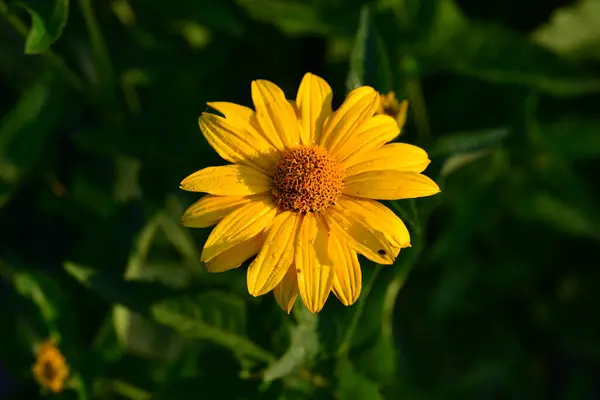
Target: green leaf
{"x":455,"y":161}
{"x":573,"y":30}
{"x":145,"y":337}
{"x":352,"y":385}
{"x":23,"y":133}
{"x":293,"y":17}
{"x":213,"y":316}
{"x":48,"y":19}
{"x":301,"y":17}
{"x":378,"y":361}
{"x":223,"y":16}
{"x":572,"y":137}
{"x":357,"y":313}
{"x":496,"y":54}
{"x":559,"y":214}
{"x":51,"y":309}
{"x":468,"y":142}
{"x":369,"y":61}
{"x":304,"y":346}
{"x":135,"y":332}
{"x":499,"y":55}
{"x":137,"y":296}
{"x":127,"y":186}
{"x":356,"y":74}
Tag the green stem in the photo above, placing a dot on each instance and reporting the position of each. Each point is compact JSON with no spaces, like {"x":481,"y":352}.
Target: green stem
{"x":419,"y":109}
{"x":409,"y":66}
{"x":129,"y":391}
{"x":534,"y":132}
{"x":392,"y":292}
{"x":400,"y":278}
{"x":99,"y":48}
{"x":51,"y":56}
{"x":344,"y":348}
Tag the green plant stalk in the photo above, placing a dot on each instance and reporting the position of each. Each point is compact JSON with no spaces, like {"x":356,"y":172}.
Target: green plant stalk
{"x":129,"y":391}
{"x":51,"y":56}
{"x":413,"y":87}
{"x":99,"y":49}
{"x":417,"y":102}
{"x":344,"y":348}
{"x":393,"y":290}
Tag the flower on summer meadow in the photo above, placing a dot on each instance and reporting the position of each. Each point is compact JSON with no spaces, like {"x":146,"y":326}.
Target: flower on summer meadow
{"x":50,"y":370}
{"x":300,"y":194}
{"x":392,"y":107}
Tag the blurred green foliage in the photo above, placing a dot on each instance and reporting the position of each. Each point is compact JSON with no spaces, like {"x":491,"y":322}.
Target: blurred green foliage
{"x":495,"y":298}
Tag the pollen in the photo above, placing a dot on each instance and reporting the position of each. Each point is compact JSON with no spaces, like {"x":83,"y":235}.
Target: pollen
{"x":307,"y":180}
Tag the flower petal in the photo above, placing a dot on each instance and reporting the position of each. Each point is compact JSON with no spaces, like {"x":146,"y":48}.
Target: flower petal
{"x":360,"y":104}
{"x":286,"y":291}
{"x":235,"y":113}
{"x":371,"y":134}
{"x":240,"y":225}
{"x":276,"y":255}
{"x":236,"y":143}
{"x":211,"y":209}
{"x":314,"y":265}
{"x":368,"y":229}
{"x":394,"y":156}
{"x":274,"y":114}
{"x":379,"y":218}
{"x":244,"y":118}
{"x":235,"y":256}
{"x":228,"y":180}
{"x":348,"y":276}
{"x":314,"y":105}
{"x":390,"y":185}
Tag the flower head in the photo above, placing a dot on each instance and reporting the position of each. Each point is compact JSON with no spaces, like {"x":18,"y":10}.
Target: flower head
{"x":300,"y":192}
{"x":392,"y":107}
{"x":51,"y":369}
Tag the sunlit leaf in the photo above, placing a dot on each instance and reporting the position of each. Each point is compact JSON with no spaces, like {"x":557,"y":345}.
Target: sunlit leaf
{"x":354,"y":386}
{"x":303,"y":348}
{"x":209,"y":315}
{"x":378,"y":361}
{"x":212,"y":316}
{"x":44,"y":293}
{"x":293,"y":17}
{"x":573,"y":30}
{"x":48,"y":19}
{"x":136,"y":332}
{"x":468,"y":142}
{"x":497,"y":54}
{"x":301,"y":17}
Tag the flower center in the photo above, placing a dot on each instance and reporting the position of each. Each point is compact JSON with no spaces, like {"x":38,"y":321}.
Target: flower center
{"x":306,"y":180}
{"x":48,"y":371}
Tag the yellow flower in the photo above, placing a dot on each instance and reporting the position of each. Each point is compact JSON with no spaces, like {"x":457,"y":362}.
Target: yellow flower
{"x":390,"y":106}
{"x":300,"y":194}
{"x":51,"y":369}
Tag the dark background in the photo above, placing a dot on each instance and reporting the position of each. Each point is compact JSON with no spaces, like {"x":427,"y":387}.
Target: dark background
{"x":495,"y":300}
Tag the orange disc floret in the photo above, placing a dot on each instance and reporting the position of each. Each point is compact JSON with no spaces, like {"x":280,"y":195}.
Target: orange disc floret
{"x":307,"y":180}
